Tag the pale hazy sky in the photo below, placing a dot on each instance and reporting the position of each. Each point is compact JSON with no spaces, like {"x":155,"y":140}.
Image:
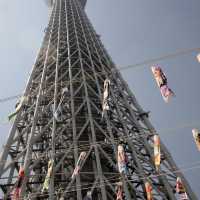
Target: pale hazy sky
{"x":132,"y":31}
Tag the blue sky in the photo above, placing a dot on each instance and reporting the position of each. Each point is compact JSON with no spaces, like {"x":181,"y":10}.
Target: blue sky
{"x":132,"y":31}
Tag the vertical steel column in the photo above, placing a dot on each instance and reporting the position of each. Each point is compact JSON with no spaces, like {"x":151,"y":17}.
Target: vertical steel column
{"x":29,"y":144}
{"x":79,"y":196}
{"x":99,"y":168}
{"x":52,"y":189}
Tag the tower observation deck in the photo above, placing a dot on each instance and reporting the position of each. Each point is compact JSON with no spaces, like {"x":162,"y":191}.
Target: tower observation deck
{"x":61,"y":145}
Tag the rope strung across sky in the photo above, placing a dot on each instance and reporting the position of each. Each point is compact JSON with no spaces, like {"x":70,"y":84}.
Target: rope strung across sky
{"x":121,"y":68}
{"x":106,"y":143}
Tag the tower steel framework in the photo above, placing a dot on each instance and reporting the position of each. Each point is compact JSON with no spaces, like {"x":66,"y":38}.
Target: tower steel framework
{"x":72,"y":58}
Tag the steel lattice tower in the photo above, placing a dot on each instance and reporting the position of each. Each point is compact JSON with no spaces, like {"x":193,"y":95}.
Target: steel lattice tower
{"x":73,"y":57}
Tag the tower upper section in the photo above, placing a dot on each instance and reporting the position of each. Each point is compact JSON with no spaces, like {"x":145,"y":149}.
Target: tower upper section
{"x":83,"y":2}
{"x":50,"y":2}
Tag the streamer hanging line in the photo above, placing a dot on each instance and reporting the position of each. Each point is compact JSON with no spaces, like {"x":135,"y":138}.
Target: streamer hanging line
{"x":146,"y":62}
{"x":164,"y":57}
{"x":9,"y":98}
{"x":39,"y":194}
